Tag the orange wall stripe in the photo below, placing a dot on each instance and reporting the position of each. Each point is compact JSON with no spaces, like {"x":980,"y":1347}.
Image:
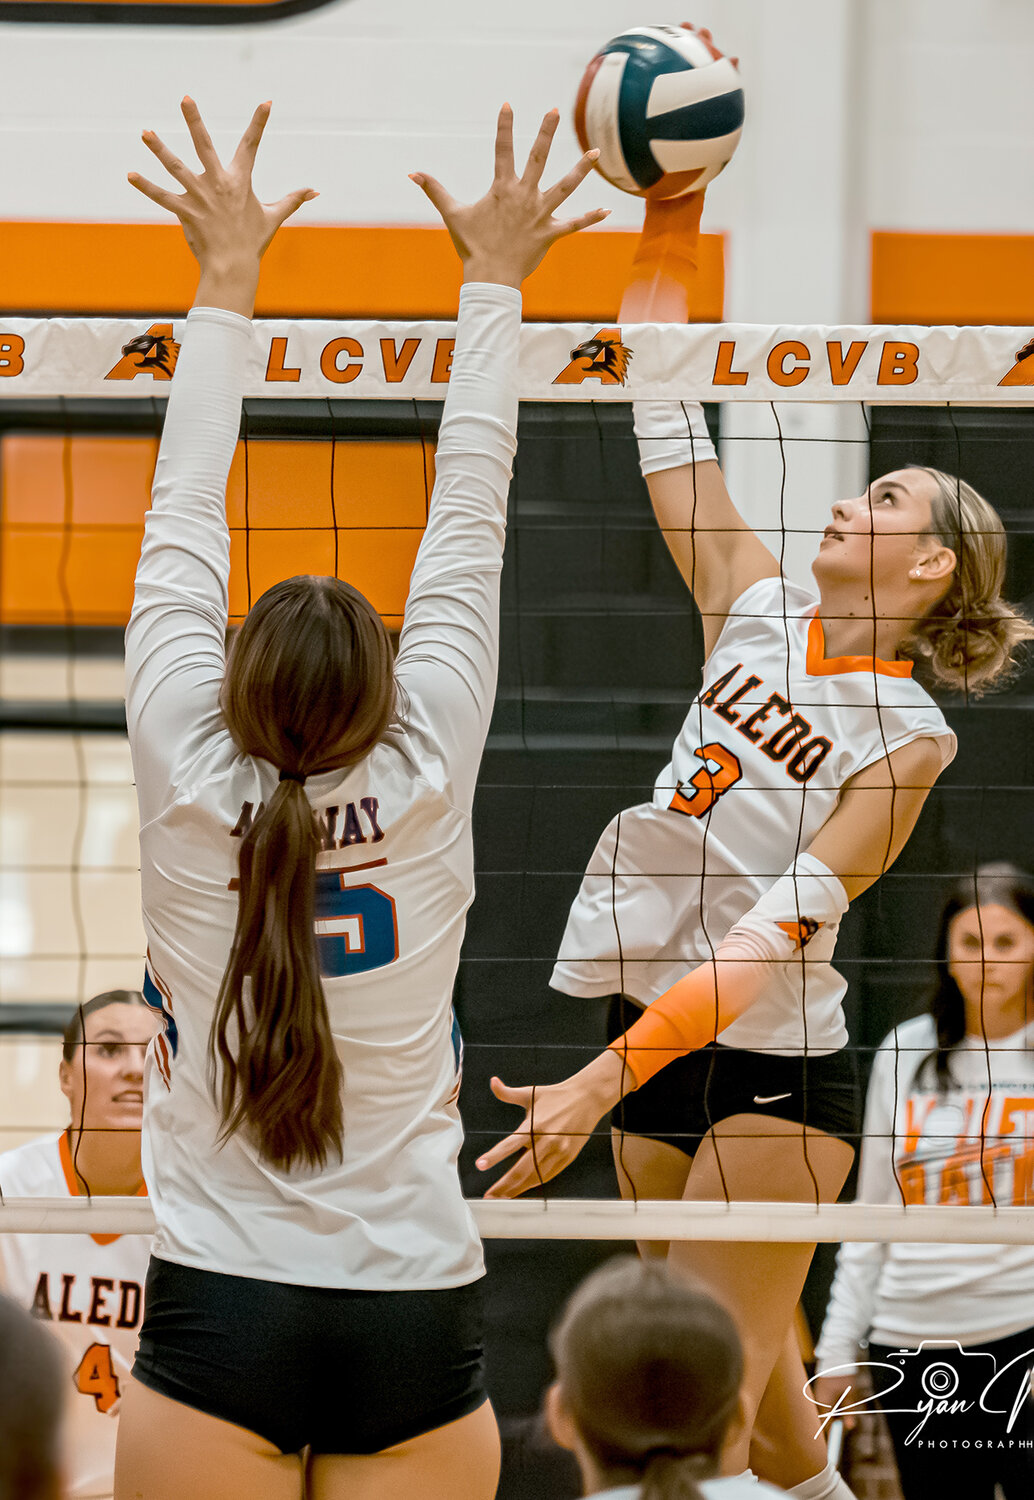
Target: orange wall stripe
{"x":952,"y":278}
{"x":377,"y":495}
{"x":354,"y":271}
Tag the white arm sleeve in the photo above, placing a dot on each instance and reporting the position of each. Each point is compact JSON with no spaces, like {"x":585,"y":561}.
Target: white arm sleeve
{"x":175,"y":639}
{"x":852,"y":1298}
{"x":671,"y":434}
{"x":448,"y":653}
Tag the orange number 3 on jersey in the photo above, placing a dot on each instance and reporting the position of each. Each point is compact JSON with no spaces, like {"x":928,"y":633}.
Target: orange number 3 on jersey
{"x":720,"y":771}
{"x":96,"y":1377}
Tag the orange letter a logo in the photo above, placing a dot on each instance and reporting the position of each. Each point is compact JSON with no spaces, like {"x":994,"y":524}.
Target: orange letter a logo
{"x":152,"y":353}
{"x":1022,"y":372}
{"x":604,"y":358}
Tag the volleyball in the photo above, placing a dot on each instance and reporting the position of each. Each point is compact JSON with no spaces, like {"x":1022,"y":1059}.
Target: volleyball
{"x":664,"y":108}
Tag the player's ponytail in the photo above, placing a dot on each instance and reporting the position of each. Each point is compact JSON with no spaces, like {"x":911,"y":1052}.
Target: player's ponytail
{"x":670,"y":1475}
{"x":968,"y":642}
{"x":649,"y":1371}
{"x":308,"y":687}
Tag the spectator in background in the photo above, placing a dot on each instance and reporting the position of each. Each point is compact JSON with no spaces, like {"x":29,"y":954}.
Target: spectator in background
{"x":32,"y":1390}
{"x":87,"y":1288}
{"x":647,"y":1392}
{"x":949,"y":1119}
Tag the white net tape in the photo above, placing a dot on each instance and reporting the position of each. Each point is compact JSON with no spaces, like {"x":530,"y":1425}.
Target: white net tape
{"x":116,"y":357}
{"x":603,"y":1219}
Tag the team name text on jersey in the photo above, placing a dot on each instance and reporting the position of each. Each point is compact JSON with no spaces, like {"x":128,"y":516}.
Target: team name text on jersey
{"x":794,"y":735}
{"x":333,"y":834}
{"x":100,"y":1312}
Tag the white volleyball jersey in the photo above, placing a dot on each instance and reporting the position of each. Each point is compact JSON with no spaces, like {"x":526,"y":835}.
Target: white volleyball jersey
{"x":394,"y":878}
{"x":970,"y":1143}
{"x":89,"y":1291}
{"x":766,"y":748}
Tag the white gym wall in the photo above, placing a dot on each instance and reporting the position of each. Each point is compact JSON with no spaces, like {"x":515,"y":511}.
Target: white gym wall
{"x":936,"y":94}
{"x":862,"y":114}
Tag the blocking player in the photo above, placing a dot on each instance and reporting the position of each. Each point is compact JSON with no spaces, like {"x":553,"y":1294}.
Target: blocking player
{"x":306,"y":865}
{"x":88,"y":1289}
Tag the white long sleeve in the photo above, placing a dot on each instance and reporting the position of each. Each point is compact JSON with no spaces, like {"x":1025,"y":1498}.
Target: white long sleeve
{"x":449,"y":650}
{"x":175,"y":641}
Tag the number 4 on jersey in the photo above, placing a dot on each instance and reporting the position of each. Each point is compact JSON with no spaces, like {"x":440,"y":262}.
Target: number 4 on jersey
{"x":96,"y":1377}
{"x":720,"y":771}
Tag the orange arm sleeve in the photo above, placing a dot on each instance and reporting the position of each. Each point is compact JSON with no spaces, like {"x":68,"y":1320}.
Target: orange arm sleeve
{"x":664,"y":267}
{"x":689,"y":1015}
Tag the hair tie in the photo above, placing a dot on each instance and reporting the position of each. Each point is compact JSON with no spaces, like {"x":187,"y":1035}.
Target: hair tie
{"x":293,"y":776}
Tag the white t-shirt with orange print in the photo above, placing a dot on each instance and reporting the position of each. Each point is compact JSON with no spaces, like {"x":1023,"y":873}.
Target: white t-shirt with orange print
{"x":776,"y":731}
{"x":971,"y":1143}
{"x":89,"y":1291}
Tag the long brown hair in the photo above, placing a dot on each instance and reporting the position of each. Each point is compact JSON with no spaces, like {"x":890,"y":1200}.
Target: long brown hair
{"x":649,"y":1368}
{"x":309,"y":686}
{"x":997,"y":884}
{"x":968,"y":641}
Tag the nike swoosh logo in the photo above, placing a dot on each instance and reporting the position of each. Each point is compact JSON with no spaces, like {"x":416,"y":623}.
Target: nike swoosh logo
{"x":769,"y":1098}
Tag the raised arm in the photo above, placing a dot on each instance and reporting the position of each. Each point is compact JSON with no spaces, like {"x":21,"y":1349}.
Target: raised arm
{"x":176,"y":634}
{"x":448,"y":652}
{"x":714,"y":549}
{"x":858,"y":842}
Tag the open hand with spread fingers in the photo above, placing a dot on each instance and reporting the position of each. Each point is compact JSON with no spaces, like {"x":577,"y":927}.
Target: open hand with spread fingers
{"x":504,"y":236}
{"x":225,"y":225}
{"x":558,"y":1120}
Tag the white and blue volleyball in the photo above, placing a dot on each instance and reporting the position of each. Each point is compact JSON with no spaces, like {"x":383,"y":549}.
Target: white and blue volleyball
{"x":664,"y":108}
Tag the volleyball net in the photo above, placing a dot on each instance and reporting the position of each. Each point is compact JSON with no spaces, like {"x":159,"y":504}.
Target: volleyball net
{"x":601,"y":655}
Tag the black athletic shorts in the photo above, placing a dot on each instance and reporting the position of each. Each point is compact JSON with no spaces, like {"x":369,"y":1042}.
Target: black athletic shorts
{"x":680,"y":1104}
{"x":337,"y":1371}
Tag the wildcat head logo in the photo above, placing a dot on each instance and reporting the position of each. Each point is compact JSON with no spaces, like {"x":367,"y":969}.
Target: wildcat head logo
{"x":800,"y":933}
{"x":152,"y":353}
{"x":1022,"y":372}
{"x":603,"y":357}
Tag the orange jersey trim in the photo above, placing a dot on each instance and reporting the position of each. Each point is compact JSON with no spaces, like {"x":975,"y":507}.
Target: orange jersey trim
{"x":818,"y":664}
{"x":64,"y":1151}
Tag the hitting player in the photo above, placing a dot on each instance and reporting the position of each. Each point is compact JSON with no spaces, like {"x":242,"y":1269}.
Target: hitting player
{"x":797,"y":777}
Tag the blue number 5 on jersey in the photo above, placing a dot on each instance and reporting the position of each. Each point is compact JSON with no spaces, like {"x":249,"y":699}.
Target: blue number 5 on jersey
{"x":356,"y":927}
